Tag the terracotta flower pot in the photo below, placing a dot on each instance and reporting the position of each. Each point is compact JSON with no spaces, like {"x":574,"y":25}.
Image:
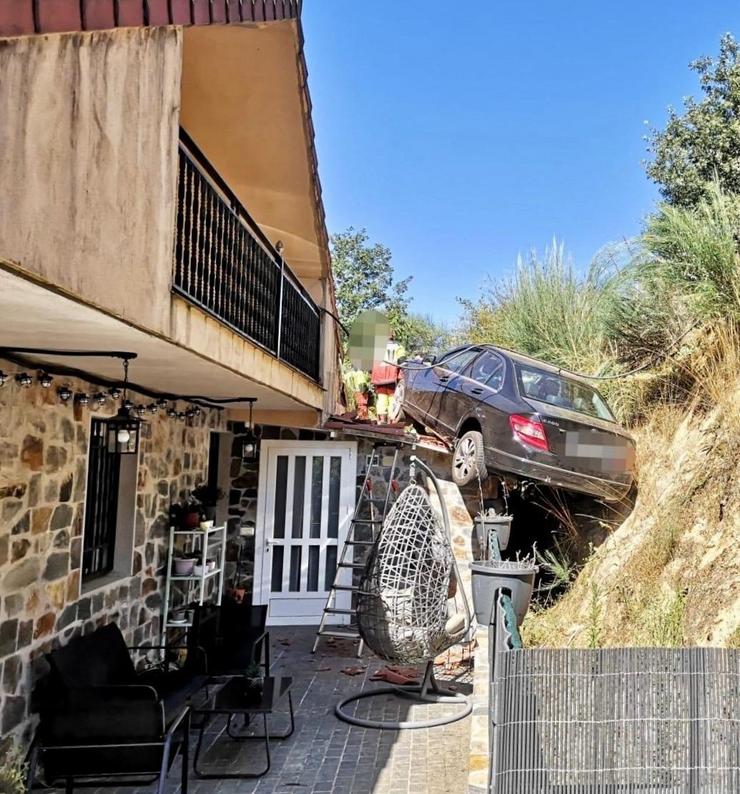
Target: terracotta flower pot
{"x":191,"y":519}
{"x":362,"y":399}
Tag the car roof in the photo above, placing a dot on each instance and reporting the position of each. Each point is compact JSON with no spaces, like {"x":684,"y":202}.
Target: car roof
{"x":521,"y":358}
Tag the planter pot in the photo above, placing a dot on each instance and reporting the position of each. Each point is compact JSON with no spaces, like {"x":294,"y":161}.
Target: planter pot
{"x":191,"y":519}
{"x":486,"y":528}
{"x":253,"y":690}
{"x":492,"y":575}
{"x":362,"y":399}
{"x":209,"y":512}
{"x":183,"y":566}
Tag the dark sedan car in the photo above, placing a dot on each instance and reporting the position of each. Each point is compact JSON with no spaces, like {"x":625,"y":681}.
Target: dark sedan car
{"x":510,"y":414}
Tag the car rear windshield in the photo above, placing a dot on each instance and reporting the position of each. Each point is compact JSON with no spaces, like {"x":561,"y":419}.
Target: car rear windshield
{"x":549,"y":387}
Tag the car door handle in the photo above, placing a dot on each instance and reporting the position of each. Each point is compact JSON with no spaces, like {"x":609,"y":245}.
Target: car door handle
{"x":476,"y":391}
{"x":444,"y":378}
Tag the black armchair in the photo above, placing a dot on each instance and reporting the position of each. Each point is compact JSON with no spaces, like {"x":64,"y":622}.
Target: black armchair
{"x":100,"y":719}
{"x":231,"y":637}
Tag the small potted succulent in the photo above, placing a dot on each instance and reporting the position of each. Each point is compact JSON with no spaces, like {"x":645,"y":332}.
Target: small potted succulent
{"x":208,"y":496}
{"x":253,"y":683}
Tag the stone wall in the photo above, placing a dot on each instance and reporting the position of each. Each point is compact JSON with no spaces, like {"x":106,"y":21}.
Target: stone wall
{"x":43,"y":460}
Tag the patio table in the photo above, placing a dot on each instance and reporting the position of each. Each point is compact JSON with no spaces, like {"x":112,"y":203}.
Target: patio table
{"x":231,"y":700}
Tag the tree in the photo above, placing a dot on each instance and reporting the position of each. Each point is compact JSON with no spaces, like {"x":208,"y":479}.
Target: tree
{"x":364,"y":279}
{"x":363,"y":273}
{"x":703,"y":144}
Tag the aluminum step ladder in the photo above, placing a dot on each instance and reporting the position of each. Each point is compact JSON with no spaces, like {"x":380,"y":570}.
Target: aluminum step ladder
{"x":377,"y":495}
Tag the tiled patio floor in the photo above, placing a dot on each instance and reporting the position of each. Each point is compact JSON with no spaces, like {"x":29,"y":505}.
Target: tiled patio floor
{"x":327,"y":755}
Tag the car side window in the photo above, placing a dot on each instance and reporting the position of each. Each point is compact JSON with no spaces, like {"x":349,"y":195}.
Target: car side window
{"x":488,"y":370}
{"x":458,"y":361}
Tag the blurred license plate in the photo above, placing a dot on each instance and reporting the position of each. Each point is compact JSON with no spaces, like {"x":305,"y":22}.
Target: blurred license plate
{"x":604,"y":453}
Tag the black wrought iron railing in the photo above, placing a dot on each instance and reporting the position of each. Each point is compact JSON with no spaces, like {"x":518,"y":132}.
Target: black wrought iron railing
{"x":225,"y":265}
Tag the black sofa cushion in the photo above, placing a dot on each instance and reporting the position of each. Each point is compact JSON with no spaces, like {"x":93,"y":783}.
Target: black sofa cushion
{"x":105,"y":714}
{"x":97,"y":659}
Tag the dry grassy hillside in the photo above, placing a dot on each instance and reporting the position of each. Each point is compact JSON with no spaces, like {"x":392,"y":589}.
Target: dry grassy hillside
{"x":670,"y":574}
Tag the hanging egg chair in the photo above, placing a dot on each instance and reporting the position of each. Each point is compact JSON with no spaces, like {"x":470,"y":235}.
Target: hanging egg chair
{"x":409,"y":606}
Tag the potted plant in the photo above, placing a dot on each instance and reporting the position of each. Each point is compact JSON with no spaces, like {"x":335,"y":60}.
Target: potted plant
{"x":358,"y":384}
{"x":185,"y":515}
{"x":490,"y":524}
{"x":208,"y":496}
{"x":253,"y":683}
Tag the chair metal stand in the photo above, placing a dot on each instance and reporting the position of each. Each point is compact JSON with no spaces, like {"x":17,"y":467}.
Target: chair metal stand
{"x":429,"y":691}
{"x":265,"y":737}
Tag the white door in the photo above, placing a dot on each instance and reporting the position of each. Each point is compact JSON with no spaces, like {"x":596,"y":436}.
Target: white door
{"x":305,"y":502}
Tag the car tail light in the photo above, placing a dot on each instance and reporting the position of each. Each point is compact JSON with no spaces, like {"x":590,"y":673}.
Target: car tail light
{"x":530,"y":431}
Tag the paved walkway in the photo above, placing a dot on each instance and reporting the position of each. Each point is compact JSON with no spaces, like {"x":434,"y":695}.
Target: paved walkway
{"x":326,"y":755}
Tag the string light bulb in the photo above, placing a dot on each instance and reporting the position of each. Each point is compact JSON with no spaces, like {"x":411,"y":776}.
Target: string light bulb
{"x":65,"y":394}
{"x":45,"y":380}
{"x":24,"y":380}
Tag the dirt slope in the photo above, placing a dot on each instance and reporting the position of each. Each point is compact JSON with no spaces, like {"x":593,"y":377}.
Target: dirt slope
{"x":670,"y":574}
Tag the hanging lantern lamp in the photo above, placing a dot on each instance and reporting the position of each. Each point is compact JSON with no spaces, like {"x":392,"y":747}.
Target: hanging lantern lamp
{"x":250,"y":444}
{"x":122,"y":435}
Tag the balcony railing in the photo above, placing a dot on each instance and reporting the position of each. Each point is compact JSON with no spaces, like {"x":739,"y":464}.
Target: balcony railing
{"x":225,"y":265}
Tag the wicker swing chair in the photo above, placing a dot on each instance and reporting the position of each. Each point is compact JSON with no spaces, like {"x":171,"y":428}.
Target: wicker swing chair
{"x":410,"y":607}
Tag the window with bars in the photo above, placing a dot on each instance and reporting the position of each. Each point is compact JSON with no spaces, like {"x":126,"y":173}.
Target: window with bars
{"x":107,"y":479}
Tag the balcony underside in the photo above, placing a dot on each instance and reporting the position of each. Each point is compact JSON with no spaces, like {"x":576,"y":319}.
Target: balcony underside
{"x":22,"y":17}
{"x":31,"y":315}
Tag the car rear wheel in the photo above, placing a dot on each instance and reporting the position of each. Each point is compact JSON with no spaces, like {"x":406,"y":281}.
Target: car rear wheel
{"x":468,"y":459}
{"x":396,"y":412}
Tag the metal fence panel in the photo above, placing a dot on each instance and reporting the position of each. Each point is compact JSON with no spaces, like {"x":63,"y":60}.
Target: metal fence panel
{"x":652,"y":720}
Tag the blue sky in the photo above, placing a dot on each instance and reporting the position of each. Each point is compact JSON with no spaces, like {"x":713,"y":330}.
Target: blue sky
{"x":460,"y":134}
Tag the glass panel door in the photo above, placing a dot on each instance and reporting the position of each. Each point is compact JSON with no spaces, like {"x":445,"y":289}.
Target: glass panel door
{"x":306,"y":499}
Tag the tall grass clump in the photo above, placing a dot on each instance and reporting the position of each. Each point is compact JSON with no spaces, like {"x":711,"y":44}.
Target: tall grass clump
{"x":546,"y":309}
{"x":684,"y":275}
{"x":695,"y":254}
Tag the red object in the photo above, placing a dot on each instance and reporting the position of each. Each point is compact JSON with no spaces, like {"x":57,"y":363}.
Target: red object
{"x":362,"y":399}
{"x":529,"y":431}
{"x":191,"y":520}
{"x":384,"y":375}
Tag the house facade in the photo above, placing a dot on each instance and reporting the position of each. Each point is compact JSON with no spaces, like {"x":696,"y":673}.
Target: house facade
{"x":162,"y":242}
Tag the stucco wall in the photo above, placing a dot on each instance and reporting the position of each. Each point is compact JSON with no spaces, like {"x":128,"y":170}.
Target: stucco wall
{"x":88,"y":158}
{"x":43,"y":462}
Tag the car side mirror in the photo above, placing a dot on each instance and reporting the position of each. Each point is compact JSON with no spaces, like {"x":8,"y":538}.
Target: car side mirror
{"x":430,"y":359}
